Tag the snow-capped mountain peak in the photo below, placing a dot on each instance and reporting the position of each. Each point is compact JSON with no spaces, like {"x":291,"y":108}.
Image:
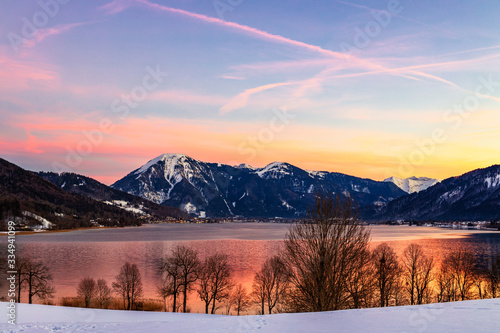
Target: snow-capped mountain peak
{"x":170,"y":159}
{"x":244,"y":166}
{"x":275,"y":170}
{"x":412,"y":184}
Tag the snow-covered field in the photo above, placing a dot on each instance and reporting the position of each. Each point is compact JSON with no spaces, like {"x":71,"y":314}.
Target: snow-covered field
{"x":468,"y":316}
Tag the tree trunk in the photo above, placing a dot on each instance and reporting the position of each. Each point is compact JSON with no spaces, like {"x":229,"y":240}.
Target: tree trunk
{"x":30,"y":288}
{"x":185,"y":300}
{"x":19,"y":287}
{"x":213,"y":305}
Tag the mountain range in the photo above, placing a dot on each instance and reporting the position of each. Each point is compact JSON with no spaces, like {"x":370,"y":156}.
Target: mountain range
{"x":30,"y":199}
{"x":473,"y":196}
{"x":173,"y":185}
{"x":276,"y":190}
{"x":88,"y":187}
{"x":283,"y":190}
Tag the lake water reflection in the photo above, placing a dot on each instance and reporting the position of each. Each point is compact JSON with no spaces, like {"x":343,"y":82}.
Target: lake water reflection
{"x":101,"y":253}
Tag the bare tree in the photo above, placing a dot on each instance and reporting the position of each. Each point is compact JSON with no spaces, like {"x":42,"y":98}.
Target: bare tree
{"x":361,"y":283}
{"x":446,"y":286}
{"x":240,"y":299}
{"x":228,"y":305}
{"x":215,"y":280}
{"x":170,"y":281}
{"x":21,"y":266}
{"x":103,"y":294}
{"x":479,"y":283}
{"x":186,"y":260}
{"x":386,"y":272}
{"x":416,"y":270}
{"x":321,"y":250}
{"x":492,"y":274}
{"x":87,"y":290}
{"x":259,"y":293}
{"x":271,"y":283}
{"x":37,"y":278}
{"x":461,"y":265}
{"x":129,"y":285}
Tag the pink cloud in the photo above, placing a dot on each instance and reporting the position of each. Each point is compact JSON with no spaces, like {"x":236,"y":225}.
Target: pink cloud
{"x":117,"y":6}
{"x":241,"y":100}
{"x":20,"y":74}
{"x":186,"y":97}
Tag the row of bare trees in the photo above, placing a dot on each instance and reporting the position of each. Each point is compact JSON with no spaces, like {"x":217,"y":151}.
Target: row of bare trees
{"x":183,"y":272}
{"x":326,"y":264}
{"x":88,"y":289}
{"x":127,"y":284}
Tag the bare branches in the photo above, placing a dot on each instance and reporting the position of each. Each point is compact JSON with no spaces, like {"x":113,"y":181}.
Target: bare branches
{"x":103,"y":294}
{"x":129,"y":285}
{"x":492,"y":275}
{"x":460,"y":266}
{"x":417,"y":274}
{"x":240,"y":299}
{"x":321,"y":251}
{"x":215,"y":280}
{"x":87,"y":290}
{"x":386,"y":272}
{"x":185,"y":260}
{"x":37,"y":278}
{"x":271,"y":284}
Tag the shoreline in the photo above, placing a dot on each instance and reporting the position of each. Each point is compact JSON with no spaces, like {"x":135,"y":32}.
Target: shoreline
{"x":25,"y":233}
{"x":253,"y":231}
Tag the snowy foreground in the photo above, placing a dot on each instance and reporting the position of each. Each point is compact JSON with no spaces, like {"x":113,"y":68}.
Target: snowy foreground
{"x":469,"y":316}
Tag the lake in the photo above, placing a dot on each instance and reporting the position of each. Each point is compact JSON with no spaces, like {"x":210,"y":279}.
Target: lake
{"x":99,"y":253}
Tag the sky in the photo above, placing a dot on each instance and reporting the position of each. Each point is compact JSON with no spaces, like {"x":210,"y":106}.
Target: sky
{"x":368,"y":88}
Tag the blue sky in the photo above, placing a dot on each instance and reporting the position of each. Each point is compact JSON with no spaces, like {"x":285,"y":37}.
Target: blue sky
{"x":368,"y":88}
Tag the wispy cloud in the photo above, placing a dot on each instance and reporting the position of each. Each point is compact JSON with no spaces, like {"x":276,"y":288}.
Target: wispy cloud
{"x":117,"y":6}
{"x":186,"y":97}
{"x":42,"y":34}
{"x":410,"y":72}
{"x":17,"y":74}
{"x":241,"y":100}
{"x":254,"y":32}
{"x":472,"y":50}
{"x":366,"y":8}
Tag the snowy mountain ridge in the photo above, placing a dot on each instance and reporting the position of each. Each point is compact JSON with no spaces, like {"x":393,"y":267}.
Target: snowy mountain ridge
{"x":412,"y":184}
{"x":474,"y":195}
{"x":278,"y":189}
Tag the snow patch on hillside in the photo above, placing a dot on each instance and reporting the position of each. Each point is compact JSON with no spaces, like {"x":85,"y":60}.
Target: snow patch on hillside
{"x":493,"y":181}
{"x":189,"y":208}
{"x":46,"y":224}
{"x":127,"y":206}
